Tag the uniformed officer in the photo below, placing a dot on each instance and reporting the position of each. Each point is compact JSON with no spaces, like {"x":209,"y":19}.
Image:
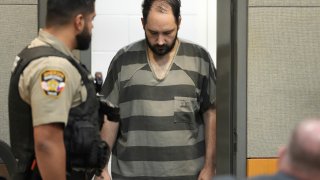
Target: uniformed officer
{"x":46,"y":92}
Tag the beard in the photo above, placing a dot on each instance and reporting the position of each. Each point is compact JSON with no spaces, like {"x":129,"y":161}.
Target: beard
{"x":83,"y":39}
{"x":161,"y":50}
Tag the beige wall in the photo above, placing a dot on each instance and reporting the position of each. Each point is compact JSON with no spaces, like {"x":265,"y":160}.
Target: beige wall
{"x":18,"y":19}
{"x":16,"y":2}
{"x":285,"y":3}
{"x":283,"y":70}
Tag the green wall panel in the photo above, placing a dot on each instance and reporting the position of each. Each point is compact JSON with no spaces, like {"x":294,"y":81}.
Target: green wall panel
{"x":284,"y":3}
{"x":283,"y":74}
{"x":18,"y":27}
{"x":18,"y":2}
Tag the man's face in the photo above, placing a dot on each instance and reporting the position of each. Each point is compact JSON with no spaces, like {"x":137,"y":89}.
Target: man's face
{"x":161,"y":50}
{"x":84,"y":38}
{"x":161,"y":31}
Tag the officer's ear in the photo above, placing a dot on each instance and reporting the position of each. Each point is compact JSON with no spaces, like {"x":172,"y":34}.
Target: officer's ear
{"x":79,"y":23}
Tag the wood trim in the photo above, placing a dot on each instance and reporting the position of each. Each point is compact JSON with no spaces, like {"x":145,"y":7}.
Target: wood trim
{"x":259,"y":166}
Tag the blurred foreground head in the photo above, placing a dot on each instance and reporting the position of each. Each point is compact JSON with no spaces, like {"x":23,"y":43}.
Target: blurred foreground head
{"x":301,"y":158}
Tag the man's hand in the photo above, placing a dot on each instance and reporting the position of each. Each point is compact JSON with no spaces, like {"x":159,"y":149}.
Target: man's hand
{"x":206,"y":173}
{"x":103,"y":176}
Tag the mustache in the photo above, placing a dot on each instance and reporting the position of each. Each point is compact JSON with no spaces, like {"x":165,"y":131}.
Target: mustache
{"x":161,"y":46}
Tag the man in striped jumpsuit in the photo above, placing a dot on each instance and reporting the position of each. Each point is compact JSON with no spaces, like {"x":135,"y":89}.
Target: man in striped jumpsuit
{"x":165,"y":88}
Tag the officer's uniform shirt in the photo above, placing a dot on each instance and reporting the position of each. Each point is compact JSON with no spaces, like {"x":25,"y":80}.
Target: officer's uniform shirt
{"x":51,"y":85}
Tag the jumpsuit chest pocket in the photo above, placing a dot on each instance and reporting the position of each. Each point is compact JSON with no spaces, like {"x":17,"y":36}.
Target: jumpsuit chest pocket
{"x":185,"y":109}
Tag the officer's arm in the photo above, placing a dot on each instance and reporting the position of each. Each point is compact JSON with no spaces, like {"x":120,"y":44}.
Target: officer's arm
{"x":50,"y":151}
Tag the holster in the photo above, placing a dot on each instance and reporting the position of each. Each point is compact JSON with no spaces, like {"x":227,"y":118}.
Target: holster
{"x":85,"y":149}
{"x":26,"y":171}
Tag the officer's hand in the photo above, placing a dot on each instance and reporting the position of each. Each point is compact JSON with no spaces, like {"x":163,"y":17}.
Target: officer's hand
{"x":103,"y":176}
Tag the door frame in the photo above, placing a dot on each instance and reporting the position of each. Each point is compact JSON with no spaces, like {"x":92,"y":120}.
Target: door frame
{"x":232,"y":25}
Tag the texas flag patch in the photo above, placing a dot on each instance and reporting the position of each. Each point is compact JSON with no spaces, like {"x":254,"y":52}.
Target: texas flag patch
{"x":52,"y":82}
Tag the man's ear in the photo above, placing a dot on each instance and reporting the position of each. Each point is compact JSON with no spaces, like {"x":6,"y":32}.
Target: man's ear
{"x":143,"y":23}
{"x":282,"y":151}
{"x":79,"y":22}
{"x":282,"y":154}
{"x":179,"y":22}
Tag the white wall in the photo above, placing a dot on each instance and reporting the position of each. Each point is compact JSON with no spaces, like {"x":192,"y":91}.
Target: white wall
{"x":118,"y":23}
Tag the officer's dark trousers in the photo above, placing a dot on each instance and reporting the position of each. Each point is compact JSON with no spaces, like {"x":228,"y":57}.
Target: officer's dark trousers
{"x":74,"y":175}
{"x":79,"y":175}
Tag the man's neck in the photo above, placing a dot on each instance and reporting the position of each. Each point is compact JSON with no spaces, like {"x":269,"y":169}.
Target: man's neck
{"x":64,"y":35}
{"x":165,"y":59}
{"x":160,"y":65}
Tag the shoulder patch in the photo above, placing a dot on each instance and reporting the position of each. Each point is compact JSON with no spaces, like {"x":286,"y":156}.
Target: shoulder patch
{"x":52,"y":82}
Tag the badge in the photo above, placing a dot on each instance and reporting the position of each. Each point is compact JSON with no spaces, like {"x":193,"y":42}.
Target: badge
{"x":52,"y":82}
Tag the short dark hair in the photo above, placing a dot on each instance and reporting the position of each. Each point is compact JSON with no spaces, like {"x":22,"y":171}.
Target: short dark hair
{"x":61,"y":12}
{"x":174,"y":4}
